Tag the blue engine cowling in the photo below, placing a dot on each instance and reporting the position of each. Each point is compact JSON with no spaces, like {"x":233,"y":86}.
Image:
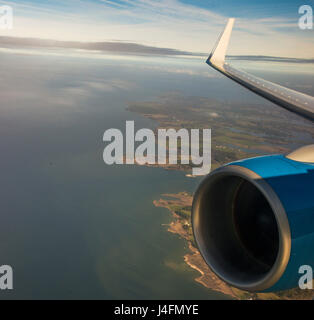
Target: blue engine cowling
{"x":253,"y":220}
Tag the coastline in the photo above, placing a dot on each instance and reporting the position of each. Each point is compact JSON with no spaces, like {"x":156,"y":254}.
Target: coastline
{"x":179,"y":206}
{"x":180,"y":225}
{"x":228,"y":144}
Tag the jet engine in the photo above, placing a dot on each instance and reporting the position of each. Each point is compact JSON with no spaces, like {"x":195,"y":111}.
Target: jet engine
{"x":253,"y":220}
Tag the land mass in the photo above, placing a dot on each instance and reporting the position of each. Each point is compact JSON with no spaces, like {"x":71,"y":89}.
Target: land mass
{"x":238,"y":132}
{"x":180,"y":207}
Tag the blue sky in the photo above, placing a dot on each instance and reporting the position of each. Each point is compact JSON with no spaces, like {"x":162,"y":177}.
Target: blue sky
{"x":268,"y":27}
{"x":256,"y":9}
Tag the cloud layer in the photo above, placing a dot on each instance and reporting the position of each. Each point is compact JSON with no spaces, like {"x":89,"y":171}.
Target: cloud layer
{"x":164,"y":23}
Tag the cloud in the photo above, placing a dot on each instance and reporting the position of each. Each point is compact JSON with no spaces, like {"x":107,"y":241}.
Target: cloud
{"x":185,"y":71}
{"x":47,"y":85}
{"x":113,"y":47}
{"x":164,"y":23}
{"x":108,"y":85}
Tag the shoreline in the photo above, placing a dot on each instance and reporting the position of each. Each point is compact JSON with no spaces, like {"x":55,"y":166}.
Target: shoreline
{"x":229,"y":143}
{"x":179,"y":206}
{"x":193,"y":259}
{"x":214,"y":283}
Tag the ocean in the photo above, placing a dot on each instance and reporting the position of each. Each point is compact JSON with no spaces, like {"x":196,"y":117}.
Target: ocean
{"x":71,"y":226}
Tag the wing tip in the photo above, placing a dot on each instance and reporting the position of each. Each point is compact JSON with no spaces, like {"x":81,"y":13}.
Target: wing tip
{"x":218,"y":54}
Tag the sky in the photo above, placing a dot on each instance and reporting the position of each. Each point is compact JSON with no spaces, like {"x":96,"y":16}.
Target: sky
{"x":265,"y":27}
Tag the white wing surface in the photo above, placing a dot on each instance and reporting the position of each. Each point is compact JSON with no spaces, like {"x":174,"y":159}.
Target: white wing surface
{"x":292,"y":100}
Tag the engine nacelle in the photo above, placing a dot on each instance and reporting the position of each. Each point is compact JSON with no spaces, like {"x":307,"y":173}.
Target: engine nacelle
{"x":253,"y":220}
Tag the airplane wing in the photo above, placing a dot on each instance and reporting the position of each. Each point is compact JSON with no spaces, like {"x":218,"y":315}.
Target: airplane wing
{"x":294,"y":101}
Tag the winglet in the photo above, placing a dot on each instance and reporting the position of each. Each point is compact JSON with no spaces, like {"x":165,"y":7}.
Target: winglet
{"x":217,"y":57}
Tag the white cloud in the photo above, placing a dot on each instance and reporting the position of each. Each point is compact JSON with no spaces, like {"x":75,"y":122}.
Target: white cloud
{"x":164,"y":23}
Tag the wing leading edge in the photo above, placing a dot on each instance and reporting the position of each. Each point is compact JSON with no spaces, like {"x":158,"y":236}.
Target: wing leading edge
{"x":292,"y":100}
